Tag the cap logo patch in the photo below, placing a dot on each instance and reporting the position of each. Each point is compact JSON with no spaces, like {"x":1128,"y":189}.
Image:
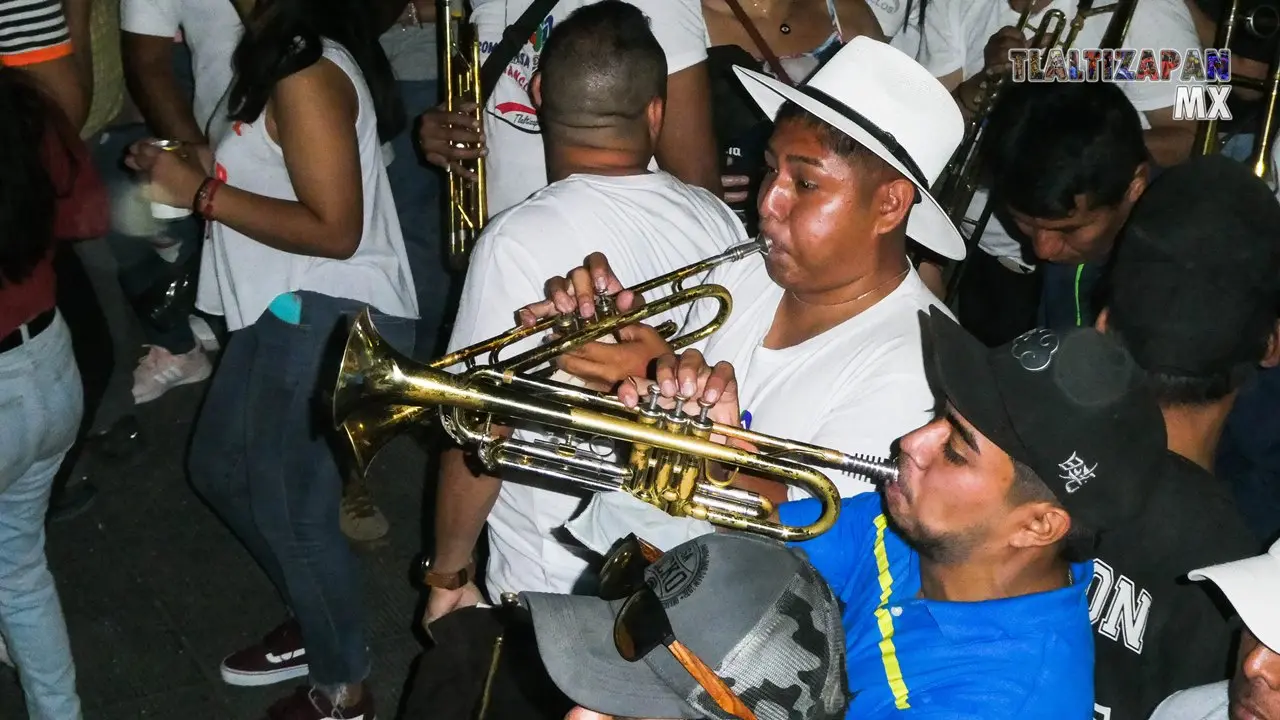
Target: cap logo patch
{"x":678,"y":574}
{"x":1034,"y":349}
{"x":1076,"y":472}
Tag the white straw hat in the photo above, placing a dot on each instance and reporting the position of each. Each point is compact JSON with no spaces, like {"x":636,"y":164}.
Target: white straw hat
{"x":889,"y":103}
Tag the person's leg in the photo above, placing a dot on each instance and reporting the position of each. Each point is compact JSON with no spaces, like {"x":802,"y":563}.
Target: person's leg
{"x":297,"y":486}
{"x":41,"y":404}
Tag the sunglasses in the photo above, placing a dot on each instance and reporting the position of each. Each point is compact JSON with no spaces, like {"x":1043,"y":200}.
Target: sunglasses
{"x":642,"y":624}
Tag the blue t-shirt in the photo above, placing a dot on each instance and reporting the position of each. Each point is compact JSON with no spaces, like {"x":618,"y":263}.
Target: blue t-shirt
{"x":1023,"y":657}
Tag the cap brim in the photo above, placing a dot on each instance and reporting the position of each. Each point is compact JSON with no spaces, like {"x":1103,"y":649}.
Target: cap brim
{"x":961,"y":370}
{"x":575,"y":641}
{"x":1252,"y":585}
{"x":928,"y":223}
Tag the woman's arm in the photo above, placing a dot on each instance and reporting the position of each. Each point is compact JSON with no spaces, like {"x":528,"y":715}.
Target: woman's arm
{"x":312,"y":115}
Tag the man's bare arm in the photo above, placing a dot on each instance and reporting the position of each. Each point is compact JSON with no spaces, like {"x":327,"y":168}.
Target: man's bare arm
{"x":1169,"y":141}
{"x":463,"y":503}
{"x":687,"y":147}
{"x":148,"y":72}
{"x":77,"y":14}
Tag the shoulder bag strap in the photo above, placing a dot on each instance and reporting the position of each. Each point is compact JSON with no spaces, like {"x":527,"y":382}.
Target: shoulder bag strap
{"x":769,"y":57}
{"x":513,"y":38}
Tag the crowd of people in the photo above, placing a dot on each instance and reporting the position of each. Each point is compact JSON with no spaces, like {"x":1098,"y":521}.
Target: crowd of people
{"x":1078,"y":397}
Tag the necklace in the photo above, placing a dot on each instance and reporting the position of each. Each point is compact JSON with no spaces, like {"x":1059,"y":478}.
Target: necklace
{"x":897,"y":277}
{"x":783,"y":27}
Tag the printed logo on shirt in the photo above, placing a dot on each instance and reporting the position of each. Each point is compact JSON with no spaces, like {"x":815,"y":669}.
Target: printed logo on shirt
{"x":889,"y":6}
{"x":678,"y":574}
{"x":1118,"y":608}
{"x":516,"y":108}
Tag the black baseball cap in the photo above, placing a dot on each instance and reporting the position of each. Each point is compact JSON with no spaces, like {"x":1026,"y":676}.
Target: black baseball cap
{"x":1195,"y":285}
{"x":751,"y":608}
{"x":1070,"y":405}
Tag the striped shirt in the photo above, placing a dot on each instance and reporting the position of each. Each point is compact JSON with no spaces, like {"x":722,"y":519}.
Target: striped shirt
{"x":32,"y":31}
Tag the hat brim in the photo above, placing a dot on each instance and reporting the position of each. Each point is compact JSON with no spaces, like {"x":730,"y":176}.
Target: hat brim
{"x":1252,"y":585}
{"x":928,"y":223}
{"x":575,"y":641}
{"x":962,"y":373}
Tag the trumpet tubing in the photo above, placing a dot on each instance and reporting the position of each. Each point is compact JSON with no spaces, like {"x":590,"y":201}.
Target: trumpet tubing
{"x":468,"y":206}
{"x":665,"y":465}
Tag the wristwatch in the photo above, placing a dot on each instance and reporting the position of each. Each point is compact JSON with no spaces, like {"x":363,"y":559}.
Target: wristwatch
{"x":446,"y":581}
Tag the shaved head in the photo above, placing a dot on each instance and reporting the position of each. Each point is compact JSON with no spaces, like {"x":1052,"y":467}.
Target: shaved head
{"x":600,"y":70}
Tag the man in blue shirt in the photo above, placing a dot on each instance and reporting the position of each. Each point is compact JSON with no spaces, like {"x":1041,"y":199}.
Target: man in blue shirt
{"x":959,"y":598}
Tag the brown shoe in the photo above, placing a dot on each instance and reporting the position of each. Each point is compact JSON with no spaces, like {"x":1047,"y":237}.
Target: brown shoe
{"x":307,"y":703}
{"x":279,"y":657}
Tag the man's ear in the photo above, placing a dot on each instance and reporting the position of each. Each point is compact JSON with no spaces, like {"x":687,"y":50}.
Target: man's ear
{"x":1272,"y":358}
{"x":1040,"y":524}
{"x":1101,"y":323}
{"x":535,"y":90}
{"x":895,"y":199}
{"x":655,"y":114}
{"x":1138,"y":184}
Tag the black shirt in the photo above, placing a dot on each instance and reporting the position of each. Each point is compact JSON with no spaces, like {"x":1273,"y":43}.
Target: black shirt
{"x":1156,"y":632}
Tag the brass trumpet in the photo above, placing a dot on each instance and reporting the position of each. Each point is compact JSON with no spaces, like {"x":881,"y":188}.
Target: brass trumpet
{"x":369,"y":429}
{"x":460,"y":56}
{"x":666,"y":465}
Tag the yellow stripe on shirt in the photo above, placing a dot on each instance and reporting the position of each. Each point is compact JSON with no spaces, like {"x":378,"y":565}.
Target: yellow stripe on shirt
{"x":888,"y":654}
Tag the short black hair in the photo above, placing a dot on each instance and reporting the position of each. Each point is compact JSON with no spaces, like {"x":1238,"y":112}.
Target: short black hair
{"x":600,"y":68}
{"x":1046,"y":143}
{"x":839,"y":143}
{"x":1174,"y":389}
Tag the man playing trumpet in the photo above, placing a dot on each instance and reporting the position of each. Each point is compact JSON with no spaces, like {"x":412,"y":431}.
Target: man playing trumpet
{"x":824,"y":331}
{"x":601,"y":92}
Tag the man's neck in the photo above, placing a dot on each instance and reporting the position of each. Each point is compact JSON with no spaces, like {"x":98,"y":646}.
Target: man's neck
{"x":803,"y":315}
{"x":1194,"y":430}
{"x":978,"y":581}
{"x":577,"y":160}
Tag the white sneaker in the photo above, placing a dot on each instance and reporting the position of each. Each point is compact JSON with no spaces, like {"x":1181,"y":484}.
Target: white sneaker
{"x":204,"y":334}
{"x":161,"y":371}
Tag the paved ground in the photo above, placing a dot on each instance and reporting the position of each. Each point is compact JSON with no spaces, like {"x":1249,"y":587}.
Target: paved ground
{"x":156,"y":591}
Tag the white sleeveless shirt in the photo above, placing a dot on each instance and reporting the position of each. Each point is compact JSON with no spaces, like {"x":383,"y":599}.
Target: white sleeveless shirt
{"x":239,"y":277}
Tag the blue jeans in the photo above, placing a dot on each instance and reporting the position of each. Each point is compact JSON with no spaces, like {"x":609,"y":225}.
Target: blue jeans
{"x":416,"y":189}
{"x":41,"y":401}
{"x":260,"y":457}
{"x":141,"y":269}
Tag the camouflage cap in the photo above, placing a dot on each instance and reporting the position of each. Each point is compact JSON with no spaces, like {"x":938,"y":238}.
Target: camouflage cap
{"x":752,"y":609}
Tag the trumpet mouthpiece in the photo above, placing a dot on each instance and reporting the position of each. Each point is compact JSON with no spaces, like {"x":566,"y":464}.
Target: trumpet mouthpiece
{"x":880,"y":471}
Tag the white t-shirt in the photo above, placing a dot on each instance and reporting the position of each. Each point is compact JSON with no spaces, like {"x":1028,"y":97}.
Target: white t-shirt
{"x":855,"y":388}
{"x":902,"y":32}
{"x":956,"y":33}
{"x":1207,"y":702}
{"x":516,"y":165}
{"x":239,"y":277}
{"x":211,"y":29}
{"x":647,"y":225}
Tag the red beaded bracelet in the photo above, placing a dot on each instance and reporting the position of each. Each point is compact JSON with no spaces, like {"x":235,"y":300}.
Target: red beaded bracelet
{"x":202,"y":203}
